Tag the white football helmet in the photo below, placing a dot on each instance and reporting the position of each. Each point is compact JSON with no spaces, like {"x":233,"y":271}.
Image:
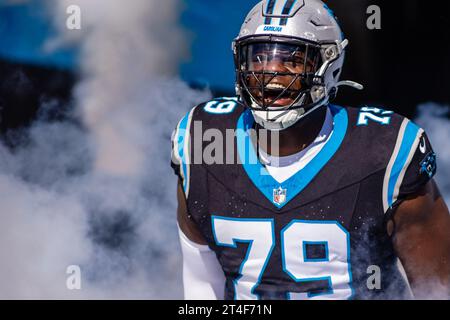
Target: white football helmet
{"x":289,"y":57}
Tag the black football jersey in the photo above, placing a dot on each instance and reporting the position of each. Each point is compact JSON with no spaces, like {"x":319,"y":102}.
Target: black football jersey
{"x":321,"y":234}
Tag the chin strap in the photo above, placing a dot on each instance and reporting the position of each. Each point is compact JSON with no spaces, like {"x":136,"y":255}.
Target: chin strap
{"x":348,"y":83}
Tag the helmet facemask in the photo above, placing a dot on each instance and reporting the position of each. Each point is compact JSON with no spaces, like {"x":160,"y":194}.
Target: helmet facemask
{"x":277,"y":75}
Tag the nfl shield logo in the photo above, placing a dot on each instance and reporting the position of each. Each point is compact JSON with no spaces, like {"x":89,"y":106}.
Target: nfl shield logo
{"x":279,"y":196}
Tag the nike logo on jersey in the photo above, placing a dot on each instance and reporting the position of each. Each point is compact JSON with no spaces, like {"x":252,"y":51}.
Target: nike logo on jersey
{"x":423,"y":146}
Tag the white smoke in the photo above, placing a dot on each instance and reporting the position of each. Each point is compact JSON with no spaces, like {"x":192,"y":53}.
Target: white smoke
{"x":434,"y":119}
{"x":101,"y":195}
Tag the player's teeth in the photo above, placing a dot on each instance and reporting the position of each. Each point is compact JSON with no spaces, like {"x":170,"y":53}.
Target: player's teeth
{"x":275,"y":86}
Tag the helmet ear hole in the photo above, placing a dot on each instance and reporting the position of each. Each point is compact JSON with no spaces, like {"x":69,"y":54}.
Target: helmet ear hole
{"x":336,"y":73}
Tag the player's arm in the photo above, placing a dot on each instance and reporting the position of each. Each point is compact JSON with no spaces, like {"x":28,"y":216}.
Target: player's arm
{"x":186,"y":225}
{"x":203,"y":277}
{"x":422,"y":241}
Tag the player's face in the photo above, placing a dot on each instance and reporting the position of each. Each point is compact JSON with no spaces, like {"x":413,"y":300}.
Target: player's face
{"x":277,"y":66}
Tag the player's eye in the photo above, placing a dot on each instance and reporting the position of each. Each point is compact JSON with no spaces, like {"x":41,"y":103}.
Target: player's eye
{"x":260,"y":58}
{"x":292,"y":61}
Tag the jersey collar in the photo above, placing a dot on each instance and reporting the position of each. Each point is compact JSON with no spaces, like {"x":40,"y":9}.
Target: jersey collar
{"x":280,"y":194}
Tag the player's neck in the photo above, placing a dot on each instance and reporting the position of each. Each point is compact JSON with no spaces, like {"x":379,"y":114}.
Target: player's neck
{"x":297,"y":137}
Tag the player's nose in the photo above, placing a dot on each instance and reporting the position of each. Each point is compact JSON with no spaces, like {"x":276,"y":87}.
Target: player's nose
{"x":275,"y":65}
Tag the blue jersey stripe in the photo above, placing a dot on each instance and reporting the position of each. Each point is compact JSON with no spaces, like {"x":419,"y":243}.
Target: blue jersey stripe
{"x":181,"y":139}
{"x":401,"y":160}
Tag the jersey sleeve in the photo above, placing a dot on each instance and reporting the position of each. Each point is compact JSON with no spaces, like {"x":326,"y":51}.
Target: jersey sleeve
{"x":180,"y":155}
{"x":421,"y":169}
{"x":175,"y":161}
{"x":412,"y":165}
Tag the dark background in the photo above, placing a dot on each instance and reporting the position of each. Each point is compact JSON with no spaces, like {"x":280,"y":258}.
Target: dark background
{"x":404,"y":64}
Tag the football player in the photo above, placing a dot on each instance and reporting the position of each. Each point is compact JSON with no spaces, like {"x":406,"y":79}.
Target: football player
{"x":343,"y":206}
